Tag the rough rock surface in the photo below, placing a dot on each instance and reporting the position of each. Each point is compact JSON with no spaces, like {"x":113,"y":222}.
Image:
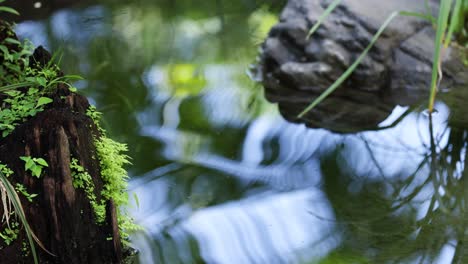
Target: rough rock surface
{"x":295,"y":70}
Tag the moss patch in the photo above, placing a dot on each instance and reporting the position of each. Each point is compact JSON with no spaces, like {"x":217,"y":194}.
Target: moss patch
{"x":112,"y":159}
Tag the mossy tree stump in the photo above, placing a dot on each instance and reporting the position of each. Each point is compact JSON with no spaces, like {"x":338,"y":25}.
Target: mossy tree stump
{"x":61,"y":215}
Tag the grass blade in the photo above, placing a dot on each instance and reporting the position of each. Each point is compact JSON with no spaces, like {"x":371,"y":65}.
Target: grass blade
{"x":14,"y":86}
{"x":15,"y":200}
{"x":322,"y":18}
{"x":429,"y":11}
{"x":8,"y":10}
{"x":18,"y":208}
{"x":454,"y":21}
{"x":350,"y":70}
{"x":436,"y":71}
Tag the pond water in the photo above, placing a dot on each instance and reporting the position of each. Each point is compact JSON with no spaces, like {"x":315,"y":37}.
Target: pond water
{"x":221,"y":177}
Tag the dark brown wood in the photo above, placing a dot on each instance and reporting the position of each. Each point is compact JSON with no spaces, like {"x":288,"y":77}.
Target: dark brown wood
{"x":61,"y":216}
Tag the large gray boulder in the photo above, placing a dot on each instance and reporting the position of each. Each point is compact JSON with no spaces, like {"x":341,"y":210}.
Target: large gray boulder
{"x":295,"y":70}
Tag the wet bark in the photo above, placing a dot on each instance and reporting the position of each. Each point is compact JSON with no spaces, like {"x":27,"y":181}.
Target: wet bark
{"x":61,"y":216}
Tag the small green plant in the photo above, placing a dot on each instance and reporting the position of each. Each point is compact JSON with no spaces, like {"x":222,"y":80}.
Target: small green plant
{"x":21,"y":189}
{"x":444,"y":31}
{"x":35,"y":165}
{"x":82,"y":180}
{"x":37,"y":82}
{"x":10,"y":233}
{"x":5,"y":170}
{"x":95,"y":115}
{"x":19,"y":106}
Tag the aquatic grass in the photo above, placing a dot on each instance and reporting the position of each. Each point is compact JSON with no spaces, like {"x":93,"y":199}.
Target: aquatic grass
{"x":441,"y":27}
{"x":322,"y":17}
{"x":442,"y":40}
{"x":455,"y":21}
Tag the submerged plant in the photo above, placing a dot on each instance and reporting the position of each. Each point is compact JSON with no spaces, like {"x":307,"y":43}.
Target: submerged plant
{"x":445,"y":28}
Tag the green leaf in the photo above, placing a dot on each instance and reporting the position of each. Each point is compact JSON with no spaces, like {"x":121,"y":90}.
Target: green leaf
{"x":36,"y":171}
{"x":43,"y":101}
{"x":4,"y":49}
{"x":8,"y":10}
{"x":73,"y":77}
{"x":41,"y":161}
{"x":41,"y":81}
{"x":29,"y":164}
{"x":12,"y":41}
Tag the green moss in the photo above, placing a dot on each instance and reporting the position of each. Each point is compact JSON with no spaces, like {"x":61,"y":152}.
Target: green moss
{"x":112,"y":161}
{"x":82,"y":180}
{"x":95,"y":115}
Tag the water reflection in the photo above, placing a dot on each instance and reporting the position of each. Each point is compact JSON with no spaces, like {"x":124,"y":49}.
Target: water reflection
{"x":222,"y":178}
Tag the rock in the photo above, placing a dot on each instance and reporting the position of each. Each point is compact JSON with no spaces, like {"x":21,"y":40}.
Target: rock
{"x":397,"y":71}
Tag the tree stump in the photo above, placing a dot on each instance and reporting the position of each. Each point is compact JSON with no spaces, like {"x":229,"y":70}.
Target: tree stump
{"x":61,"y":216}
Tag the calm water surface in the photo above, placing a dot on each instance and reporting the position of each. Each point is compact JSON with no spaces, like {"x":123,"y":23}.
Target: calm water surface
{"x":220,"y":176}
